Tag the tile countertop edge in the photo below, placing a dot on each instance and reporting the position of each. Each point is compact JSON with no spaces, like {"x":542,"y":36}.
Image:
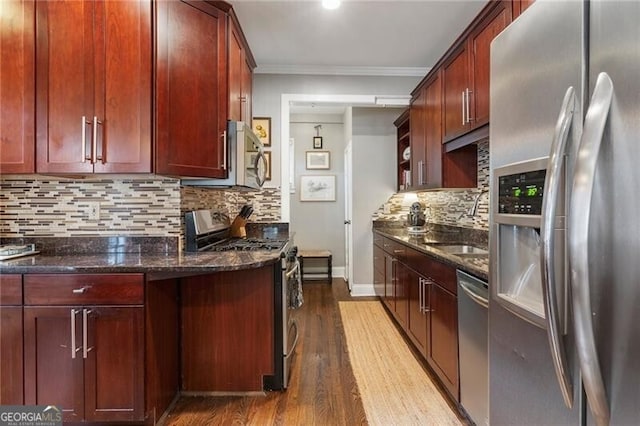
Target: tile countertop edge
{"x":452,"y":260}
{"x":156,"y":266}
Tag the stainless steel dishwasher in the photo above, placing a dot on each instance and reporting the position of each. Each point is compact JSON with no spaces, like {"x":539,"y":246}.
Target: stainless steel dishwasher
{"x":473,"y":329}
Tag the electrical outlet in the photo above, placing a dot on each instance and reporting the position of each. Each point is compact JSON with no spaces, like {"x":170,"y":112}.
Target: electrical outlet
{"x":93,"y":210}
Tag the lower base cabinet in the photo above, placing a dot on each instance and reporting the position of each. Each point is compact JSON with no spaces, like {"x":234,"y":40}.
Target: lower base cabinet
{"x":423,"y":303}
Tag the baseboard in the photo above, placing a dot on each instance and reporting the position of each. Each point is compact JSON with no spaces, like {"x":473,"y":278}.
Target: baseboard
{"x":362,"y":290}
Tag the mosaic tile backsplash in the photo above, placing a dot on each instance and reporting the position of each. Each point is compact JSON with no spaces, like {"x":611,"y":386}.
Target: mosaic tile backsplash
{"x":447,"y":207}
{"x":41,"y":206}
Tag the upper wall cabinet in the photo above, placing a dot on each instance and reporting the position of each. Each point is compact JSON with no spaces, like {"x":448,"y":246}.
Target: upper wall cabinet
{"x":204,"y":70}
{"x":93,"y":86}
{"x":466,"y":74}
{"x":17,"y":85}
{"x":241,"y":65}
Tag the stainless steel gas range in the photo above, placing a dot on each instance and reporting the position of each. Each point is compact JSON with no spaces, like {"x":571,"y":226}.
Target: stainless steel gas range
{"x":206,"y":231}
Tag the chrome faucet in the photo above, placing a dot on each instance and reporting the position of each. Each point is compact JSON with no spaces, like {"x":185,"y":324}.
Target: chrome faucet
{"x":474,"y":209}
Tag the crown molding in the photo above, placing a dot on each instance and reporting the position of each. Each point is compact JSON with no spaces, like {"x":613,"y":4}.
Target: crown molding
{"x":342,"y":70}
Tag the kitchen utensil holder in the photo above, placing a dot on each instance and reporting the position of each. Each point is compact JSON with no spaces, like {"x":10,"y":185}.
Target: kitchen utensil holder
{"x":238,"y":227}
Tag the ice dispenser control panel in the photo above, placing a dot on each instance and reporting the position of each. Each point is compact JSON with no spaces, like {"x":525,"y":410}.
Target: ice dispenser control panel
{"x":521,"y":193}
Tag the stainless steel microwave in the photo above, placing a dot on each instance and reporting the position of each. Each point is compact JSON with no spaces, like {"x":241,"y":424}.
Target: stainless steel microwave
{"x":244,"y":158}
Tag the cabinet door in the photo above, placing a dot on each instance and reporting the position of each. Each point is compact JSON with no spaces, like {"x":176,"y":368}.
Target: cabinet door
{"x":247,"y":92}
{"x":191,"y":91}
{"x":480,"y":53}
{"x":65,"y":72}
{"x":456,"y":82}
{"x":417,"y":123}
{"x":433,"y":134}
{"x":11,"y":352}
{"x":114,"y":364}
{"x":417,"y":320}
{"x":123,"y":86}
{"x":401,"y":294}
{"x":389,"y":281}
{"x":17,"y":86}
{"x":53,"y":359}
{"x":235,"y":66}
{"x":444,"y":337}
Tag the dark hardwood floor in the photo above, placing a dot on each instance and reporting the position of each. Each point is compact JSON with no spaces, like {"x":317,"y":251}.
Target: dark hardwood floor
{"x":322,"y":390}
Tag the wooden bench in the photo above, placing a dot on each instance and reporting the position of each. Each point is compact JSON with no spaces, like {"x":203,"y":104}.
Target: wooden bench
{"x":315,"y":254}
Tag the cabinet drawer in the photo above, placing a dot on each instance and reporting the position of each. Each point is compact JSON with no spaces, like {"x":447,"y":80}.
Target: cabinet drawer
{"x":84,"y":289}
{"x":396,"y":250}
{"x":439,"y":272}
{"x":10,"y":290}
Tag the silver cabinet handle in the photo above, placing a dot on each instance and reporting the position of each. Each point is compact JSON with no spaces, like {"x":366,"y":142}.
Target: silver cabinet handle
{"x":396,"y":251}
{"x":464,"y":121}
{"x":468,"y":92}
{"x":425,"y":283}
{"x":473,"y":296}
{"x":94,"y":146}
{"x":420,"y":172}
{"x":84,"y":139}
{"x":552,"y":183}
{"x":85,"y":327}
{"x":81,"y":290}
{"x":578,"y":230}
{"x":224,"y":150}
{"x":420,"y":294}
{"x":73,"y":333}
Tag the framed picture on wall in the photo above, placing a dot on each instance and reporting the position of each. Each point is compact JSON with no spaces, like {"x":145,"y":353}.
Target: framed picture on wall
{"x":262,"y":128}
{"x":317,"y":142}
{"x":318,"y":188}
{"x":318,"y":160}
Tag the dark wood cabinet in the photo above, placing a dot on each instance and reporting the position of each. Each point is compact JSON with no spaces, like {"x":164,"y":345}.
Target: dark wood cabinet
{"x":466,"y":73}
{"x":418,"y":139}
{"x":227,"y":329}
{"x":86,"y":357}
{"x":519,"y":6}
{"x":444,"y":337}
{"x":418,"y":310}
{"x":241,"y":65}
{"x":17,"y":86}
{"x":93,"y":87}
{"x":421,"y":295}
{"x":191,"y":89}
{"x":456,"y":86}
{"x":11,"y":346}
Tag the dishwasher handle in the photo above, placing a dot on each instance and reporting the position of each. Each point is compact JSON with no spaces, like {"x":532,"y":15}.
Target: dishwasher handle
{"x":470,"y":285}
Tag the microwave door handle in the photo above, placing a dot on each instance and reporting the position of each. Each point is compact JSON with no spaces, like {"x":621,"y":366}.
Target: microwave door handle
{"x":552,"y":184}
{"x":260,"y":179}
{"x":578,"y":230}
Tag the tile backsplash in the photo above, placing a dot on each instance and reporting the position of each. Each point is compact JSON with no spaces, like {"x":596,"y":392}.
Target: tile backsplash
{"x":42,"y":206}
{"x":446,"y":207}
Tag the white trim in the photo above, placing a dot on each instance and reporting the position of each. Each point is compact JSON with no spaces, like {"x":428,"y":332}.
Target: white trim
{"x":342,"y":70}
{"x":362,"y":290}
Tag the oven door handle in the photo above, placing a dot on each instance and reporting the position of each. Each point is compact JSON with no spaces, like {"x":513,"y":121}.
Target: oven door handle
{"x":291,"y":271}
{"x":290,"y":350}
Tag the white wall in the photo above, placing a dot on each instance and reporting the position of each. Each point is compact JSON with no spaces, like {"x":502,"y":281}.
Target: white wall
{"x":374,"y":179}
{"x":319,"y":225}
{"x":269,"y":88}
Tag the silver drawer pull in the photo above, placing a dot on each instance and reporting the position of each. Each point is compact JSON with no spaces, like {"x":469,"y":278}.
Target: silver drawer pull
{"x":81,"y":290}
{"x":398,"y":251}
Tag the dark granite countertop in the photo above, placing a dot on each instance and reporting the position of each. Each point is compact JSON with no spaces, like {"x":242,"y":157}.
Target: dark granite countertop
{"x":155,"y":256}
{"x":475,"y":265}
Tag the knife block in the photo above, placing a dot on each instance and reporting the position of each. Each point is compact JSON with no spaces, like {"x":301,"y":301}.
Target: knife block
{"x":237,"y":227}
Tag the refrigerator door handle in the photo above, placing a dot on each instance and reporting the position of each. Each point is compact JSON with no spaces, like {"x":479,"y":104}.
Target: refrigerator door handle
{"x":552,"y":184}
{"x":578,"y":230}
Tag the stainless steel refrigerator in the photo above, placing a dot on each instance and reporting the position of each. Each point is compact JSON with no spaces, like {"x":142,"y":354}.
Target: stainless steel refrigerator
{"x":564,"y":311}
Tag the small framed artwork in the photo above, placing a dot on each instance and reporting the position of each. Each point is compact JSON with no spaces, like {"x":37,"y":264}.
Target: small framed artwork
{"x":262,"y":128}
{"x":267,"y":157}
{"x":318,"y":188}
{"x":317,"y":142}
{"x":318,"y":160}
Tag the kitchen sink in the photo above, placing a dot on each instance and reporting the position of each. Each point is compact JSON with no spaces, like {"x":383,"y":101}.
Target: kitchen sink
{"x":460,"y":249}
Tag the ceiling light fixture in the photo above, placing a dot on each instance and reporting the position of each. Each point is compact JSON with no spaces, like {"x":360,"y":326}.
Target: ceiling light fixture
{"x":331,"y":4}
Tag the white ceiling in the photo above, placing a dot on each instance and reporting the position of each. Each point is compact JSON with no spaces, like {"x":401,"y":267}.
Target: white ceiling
{"x":373,"y":37}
